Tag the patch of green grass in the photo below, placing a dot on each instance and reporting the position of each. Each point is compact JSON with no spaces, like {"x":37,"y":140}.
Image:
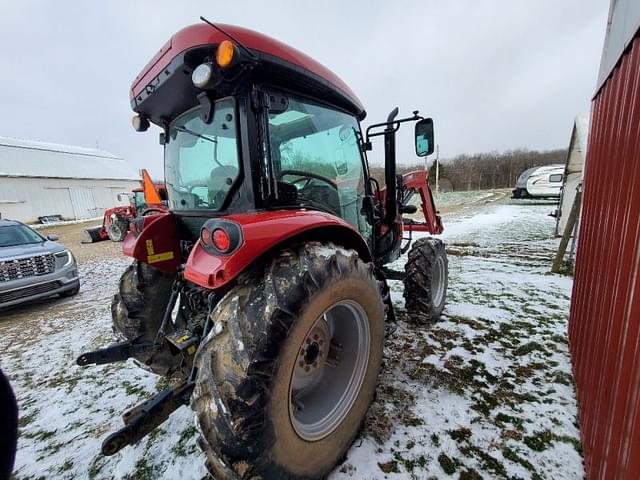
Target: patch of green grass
{"x":156,"y":433}
{"x":559,"y":339}
{"x":503,"y":418}
{"x":435,"y":440}
{"x":470,"y":474}
{"x":389,"y":467}
{"x":563,"y":378}
{"x":95,"y":467}
{"x":40,"y":435}
{"x":143,"y":471}
{"x":460,"y":435}
{"x":67,"y":465}
{"x":572,"y":440}
{"x":527,"y":348}
{"x":27,"y":419}
{"x":162,"y":383}
{"x":180,"y":448}
{"x":447,"y":464}
{"x":412,"y":421}
{"x":133,"y":389}
{"x":488,"y":462}
{"x":539,"y":441}
{"x":410,"y":464}
{"x":510,"y":454}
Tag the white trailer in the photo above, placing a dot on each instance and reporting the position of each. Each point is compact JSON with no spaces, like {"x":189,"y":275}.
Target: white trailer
{"x":540,"y":182}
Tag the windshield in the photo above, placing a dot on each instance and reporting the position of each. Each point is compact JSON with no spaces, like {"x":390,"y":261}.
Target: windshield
{"x":139,"y":202}
{"x":13,"y":235}
{"x":316,"y":156}
{"x":201,"y":160}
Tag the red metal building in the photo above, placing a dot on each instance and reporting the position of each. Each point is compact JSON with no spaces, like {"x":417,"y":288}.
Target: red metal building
{"x":604,"y":327}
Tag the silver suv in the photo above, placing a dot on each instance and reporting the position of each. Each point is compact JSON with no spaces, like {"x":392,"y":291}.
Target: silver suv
{"x":32,"y":266}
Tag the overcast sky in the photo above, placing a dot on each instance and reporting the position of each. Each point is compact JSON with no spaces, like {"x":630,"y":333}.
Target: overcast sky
{"x":494,"y":75}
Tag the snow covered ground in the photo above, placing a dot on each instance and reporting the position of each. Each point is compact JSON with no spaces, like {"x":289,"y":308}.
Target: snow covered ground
{"x":485,"y":393}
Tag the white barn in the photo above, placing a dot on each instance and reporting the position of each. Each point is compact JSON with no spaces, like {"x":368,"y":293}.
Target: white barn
{"x":573,"y":171}
{"x":39,"y":179}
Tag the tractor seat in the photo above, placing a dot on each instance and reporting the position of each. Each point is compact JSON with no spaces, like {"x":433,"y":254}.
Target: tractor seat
{"x":220,"y":181}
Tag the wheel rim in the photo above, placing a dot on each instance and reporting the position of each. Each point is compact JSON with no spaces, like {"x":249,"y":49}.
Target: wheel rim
{"x":330,"y":367}
{"x":437,"y":281}
{"x":115,"y":231}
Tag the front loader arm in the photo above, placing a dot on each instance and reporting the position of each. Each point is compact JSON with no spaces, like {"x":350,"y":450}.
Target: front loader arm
{"x":416,"y":182}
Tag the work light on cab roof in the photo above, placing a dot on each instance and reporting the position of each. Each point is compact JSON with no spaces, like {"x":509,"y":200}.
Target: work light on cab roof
{"x":209,"y":74}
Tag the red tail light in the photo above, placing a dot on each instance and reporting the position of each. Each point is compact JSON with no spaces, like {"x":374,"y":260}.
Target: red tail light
{"x":205,"y":236}
{"x":221,"y":240}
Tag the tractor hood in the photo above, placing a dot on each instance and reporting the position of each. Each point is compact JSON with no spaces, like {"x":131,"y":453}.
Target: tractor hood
{"x":164,"y":88}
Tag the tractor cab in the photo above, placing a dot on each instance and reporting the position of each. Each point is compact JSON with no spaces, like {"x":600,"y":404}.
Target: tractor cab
{"x":253,"y":125}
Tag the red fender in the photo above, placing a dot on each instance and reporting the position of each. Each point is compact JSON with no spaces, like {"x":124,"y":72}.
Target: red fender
{"x":154,"y":241}
{"x":266,"y":232}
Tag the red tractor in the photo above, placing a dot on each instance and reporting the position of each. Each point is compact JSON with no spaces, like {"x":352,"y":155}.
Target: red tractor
{"x":262,"y":293}
{"x":150,"y":198}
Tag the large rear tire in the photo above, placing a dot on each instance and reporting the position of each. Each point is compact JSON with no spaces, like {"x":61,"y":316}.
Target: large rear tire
{"x":137,"y":311}
{"x":290,"y":367}
{"x":426,"y":280}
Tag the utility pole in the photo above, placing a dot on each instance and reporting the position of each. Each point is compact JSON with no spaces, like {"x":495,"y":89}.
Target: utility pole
{"x":437,"y":170}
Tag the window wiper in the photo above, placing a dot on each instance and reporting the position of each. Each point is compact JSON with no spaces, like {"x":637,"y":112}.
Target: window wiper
{"x":199,"y":135}
{"x":195,"y":134}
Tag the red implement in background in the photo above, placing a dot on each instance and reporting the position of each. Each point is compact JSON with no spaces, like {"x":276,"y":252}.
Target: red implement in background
{"x":416,"y":182}
{"x":115,"y":222}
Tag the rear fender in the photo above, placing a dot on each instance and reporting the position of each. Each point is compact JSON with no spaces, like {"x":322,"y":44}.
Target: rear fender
{"x":154,"y":240}
{"x":264,"y":233}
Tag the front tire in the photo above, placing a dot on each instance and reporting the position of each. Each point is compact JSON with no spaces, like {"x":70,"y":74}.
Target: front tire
{"x":290,"y":368}
{"x":117,"y":230}
{"x":426,"y":280}
{"x":137,"y":311}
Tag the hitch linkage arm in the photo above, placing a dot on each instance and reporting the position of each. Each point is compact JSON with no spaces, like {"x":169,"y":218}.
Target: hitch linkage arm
{"x":143,"y":418}
{"x":117,"y":352}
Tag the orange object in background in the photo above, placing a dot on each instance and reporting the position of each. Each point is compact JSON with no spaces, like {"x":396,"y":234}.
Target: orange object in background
{"x":151,"y":195}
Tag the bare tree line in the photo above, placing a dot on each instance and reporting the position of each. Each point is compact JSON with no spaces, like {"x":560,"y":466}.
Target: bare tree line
{"x":481,"y":171}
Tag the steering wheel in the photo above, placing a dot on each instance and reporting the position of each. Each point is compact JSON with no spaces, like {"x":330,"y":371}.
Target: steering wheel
{"x":196,"y":185}
{"x":152,"y":211}
{"x":308,"y":176}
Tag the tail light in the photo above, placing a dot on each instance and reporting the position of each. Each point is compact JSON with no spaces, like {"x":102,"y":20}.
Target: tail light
{"x":221,"y":240}
{"x":205,"y":237}
{"x":221,"y":237}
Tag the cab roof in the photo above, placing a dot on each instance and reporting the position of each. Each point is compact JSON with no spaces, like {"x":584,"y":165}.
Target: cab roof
{"x":265,"y":47}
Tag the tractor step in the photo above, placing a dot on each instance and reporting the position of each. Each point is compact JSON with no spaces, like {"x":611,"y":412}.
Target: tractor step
{"x":113,"y":353}
{"x":142,"y":419}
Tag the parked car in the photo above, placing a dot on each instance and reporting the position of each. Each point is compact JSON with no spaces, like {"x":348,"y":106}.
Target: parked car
{"x":32,"y":266}
{"x":540,"y":182}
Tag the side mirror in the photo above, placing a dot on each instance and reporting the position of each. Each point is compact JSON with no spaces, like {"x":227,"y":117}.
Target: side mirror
{"x":424,"y":137}
{"x":53,"y":237}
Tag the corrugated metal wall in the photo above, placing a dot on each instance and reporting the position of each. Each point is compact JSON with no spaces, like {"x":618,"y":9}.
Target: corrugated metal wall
{"x":26,"y":199}
{"x":604,"y":328}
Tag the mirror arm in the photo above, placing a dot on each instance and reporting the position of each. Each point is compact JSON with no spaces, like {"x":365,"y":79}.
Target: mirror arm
{"x":394,"y":123}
